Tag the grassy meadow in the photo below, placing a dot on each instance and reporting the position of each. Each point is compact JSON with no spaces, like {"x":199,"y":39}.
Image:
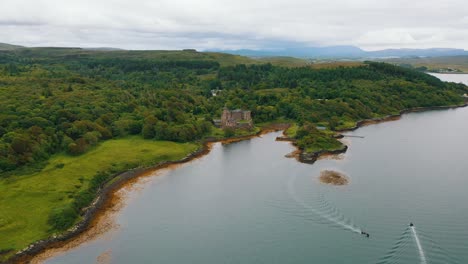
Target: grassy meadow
{"x":26,"y":201}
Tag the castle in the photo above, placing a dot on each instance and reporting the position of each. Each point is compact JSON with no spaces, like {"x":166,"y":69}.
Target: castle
{"x":236,"y":119}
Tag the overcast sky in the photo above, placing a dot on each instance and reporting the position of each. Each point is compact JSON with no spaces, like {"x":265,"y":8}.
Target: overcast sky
{"x":236,"y":24}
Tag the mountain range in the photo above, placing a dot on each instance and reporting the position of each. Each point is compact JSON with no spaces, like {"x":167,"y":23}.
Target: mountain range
{"x":298,"y":51}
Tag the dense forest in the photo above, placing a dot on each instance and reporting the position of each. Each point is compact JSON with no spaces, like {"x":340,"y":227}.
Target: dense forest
{"x":68,"y":100}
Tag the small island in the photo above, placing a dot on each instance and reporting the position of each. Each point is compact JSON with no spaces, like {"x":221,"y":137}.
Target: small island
{"x":333,"y":177}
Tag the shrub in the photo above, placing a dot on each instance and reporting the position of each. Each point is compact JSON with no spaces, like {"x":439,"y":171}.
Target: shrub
{"x":229,"y":132}
{"x":62,"y":218}
{"x":82,"y":199}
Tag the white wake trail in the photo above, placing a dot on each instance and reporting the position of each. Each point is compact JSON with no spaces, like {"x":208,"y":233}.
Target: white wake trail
{"x":292,"y":193}
{"x":422,"y":256}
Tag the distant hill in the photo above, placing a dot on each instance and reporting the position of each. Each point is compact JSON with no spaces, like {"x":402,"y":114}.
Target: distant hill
{"x":5,"y":46}
{"x":64,"y":54}
{"x":302,"y":52}
{"x":347,"y":52}
{"x":103,"y":49}
{"x":292,"y":51}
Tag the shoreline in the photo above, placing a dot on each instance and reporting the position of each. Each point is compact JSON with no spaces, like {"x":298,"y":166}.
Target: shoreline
{"x":395,"y":117}
{"x":311,"y":158}
{"x":455,"y":73}
{"x":107,"y":197}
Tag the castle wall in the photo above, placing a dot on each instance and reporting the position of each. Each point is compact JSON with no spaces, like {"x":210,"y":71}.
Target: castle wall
{"x":246,"y":115}
{"x":231,"y":118}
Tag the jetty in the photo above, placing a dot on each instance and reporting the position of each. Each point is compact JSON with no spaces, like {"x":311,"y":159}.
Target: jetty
{"x":354,"y":136}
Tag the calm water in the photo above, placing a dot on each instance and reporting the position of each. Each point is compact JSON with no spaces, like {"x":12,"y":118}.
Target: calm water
{"x":247,"y":203}
{"x":458,"y":78}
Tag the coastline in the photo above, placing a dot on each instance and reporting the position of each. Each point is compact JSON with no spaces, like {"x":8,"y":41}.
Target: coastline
{"x":454,"y":73}
{"x":395,"y":117}
{"x":107,"y":198}
{"x":311,"y":158}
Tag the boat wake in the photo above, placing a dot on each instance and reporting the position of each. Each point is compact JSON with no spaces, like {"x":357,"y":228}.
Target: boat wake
{"x":422,"y":255}
{"x":325,"y":212}
{"x":393,"y":255}
{"x":401,"y":251}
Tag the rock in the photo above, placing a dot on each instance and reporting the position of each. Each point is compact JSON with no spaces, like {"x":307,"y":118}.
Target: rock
{"x":333,"y":177}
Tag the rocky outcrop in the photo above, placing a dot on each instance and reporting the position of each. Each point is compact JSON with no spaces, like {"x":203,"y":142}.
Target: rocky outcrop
{"x":285,"y":138}
{"x":333,"y":178}
{"x":312,"y":157}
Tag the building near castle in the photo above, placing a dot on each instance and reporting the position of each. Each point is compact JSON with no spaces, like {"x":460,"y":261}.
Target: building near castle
{"x":235,"y":119}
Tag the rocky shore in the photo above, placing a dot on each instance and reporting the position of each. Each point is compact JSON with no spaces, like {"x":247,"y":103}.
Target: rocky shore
{"x":312,"y":157}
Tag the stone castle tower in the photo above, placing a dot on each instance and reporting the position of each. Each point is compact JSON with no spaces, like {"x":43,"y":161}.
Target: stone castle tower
{"x":236,"y":119}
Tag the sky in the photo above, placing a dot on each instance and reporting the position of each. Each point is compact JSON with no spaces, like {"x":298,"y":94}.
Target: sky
{"x":235,"y":24}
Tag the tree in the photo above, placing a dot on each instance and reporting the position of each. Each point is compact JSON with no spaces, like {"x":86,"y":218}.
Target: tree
{"x":333,"y":122}
{"x":229,"y":132}
{"x":148,"y":130}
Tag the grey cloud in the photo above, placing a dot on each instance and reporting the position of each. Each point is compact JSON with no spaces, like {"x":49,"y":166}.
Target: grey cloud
{"x":201,"y":24}
{"x":4,"y":22}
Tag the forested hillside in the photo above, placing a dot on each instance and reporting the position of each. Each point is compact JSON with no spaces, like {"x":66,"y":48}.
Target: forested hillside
{"x":68,"y":100}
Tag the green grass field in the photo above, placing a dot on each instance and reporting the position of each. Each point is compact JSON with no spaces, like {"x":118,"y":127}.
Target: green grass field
{"x":27,"y":200}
